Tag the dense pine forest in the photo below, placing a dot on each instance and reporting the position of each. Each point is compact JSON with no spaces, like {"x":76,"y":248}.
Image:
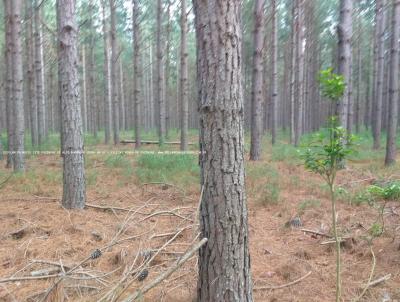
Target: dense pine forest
{"x":204,"y":150}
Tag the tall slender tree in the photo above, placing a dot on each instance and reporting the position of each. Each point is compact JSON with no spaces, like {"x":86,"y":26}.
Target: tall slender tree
{"x":274,"y":61}
{"x":74,"y":192}
{"x":106,"y":76}
{"x":114,"y":74}
{"x":183,"y":87}
{"x":393,"y":86}
{"x":380,"y":65}
{"x":8,"y":83}
{"x":257,"y":83}
{"x":159,"y":92}
{"x":17,"y":86}
{"x":137,"y":76}
{"x":224,"y":262}
{"x":39,"y":75}
{"x":30,"y":77}
{"x":345,"y":57}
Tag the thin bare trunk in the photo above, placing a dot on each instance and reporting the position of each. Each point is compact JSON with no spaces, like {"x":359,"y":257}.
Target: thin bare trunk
{"x":391,"y":149}
{"x":257,"y":84}
{"x":114,"y":67}
{"x":183,"y":92}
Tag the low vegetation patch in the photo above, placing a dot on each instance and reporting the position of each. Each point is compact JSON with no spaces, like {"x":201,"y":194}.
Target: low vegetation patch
{"x":180,"y":169}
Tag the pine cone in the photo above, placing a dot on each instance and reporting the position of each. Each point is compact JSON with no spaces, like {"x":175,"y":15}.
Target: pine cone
{"x":96,"y":254}
{"x":143,"y":275}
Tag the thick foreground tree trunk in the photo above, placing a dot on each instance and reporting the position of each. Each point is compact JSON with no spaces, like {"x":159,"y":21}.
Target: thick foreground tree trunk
{"x":74,"y":194}
{"x":393,"y":86}
{"x":257,"y":84}
{"x":224,"y":262}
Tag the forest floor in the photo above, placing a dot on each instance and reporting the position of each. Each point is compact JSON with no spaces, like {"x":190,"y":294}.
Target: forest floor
{"x":149,"y":204}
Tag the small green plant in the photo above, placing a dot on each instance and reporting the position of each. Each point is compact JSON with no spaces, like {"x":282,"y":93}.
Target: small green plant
{"x":271,"y":194}
{"x":326,"y":153}
{"x":117,"y":161}
{"x":390,"y":191}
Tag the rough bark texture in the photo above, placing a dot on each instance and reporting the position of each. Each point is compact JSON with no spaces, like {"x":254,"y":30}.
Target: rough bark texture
{"x":39,"y":76}
{"x":74,"y":194}
{"x":159,"y":92}
{"x":114,"y":75}
{"x":378,"y":97}
{"x":17,"y":120}
{"x":257,"y":83}
{"x":393,"y":86}
{"x":224,"y":262}
{"x":183,"y":92}
{"x":344,"y":34}
{"x":137,"y":76}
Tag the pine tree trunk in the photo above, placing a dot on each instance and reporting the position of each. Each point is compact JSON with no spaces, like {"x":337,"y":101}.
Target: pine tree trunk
{"x":31,"y":90}
{"x":167,"y":97}
{"x":122,"y":117}
{"x":293,"y":73}
{"x":345,"y":53}
{"x":183,"y":92}
{"x":107,"y":78}
{"x":91,"y":69}
{"x":74,"y":194}
{"x":114,"y":76}
{"x":84,"y":91}
{"x":378,"y":98}
{"x":160,"y":76}
{"x":8,"y":84}
{"x":17,"y":86}
{"x":137,"y":76}
{"x":299,"y":73}
{"x":257,"y":82}
{"x":224,"y":262}
{"x":391,"y":149}
{"x":274,"y":84}
{"x":39,"y":75}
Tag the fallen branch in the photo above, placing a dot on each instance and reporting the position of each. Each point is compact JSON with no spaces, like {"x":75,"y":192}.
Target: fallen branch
{"x":370,"y":277}
{"x":379,"y":280}
{"x":316,"y":233}
{"x":284,"y":285}
{"x":167,"y":273}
